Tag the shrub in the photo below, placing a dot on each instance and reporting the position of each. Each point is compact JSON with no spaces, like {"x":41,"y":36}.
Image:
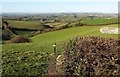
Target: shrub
{"x":5,"y":35}
{"x":65,"y":26}
{"x":47,"y":30}
{"x":31,"y":34}
{"x":26,"y":35}
{"x":38,"y":32}
{"x":18,"y":39}
{"x":91,"y":56}
{"x":79,"y":24}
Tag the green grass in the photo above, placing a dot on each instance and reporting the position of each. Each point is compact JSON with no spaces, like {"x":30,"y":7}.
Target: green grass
{"x":25,"y":24}
{"x":28,"y":58}
{"x":44,"y":42}
{"x":24,"y":63}
{"x":22,"y":33}
{"x":99,"y":21}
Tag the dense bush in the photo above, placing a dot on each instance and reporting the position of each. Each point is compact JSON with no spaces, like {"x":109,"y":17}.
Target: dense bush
{"x":79,"y":24}
{"x":47,"y":30}
{"x":65,"y":26}
{"x":91,"y":56}
{"x":5,"y":32}
{"x":5,"y":35}
{"x":18,"y":39}
{"x":27,"y":35}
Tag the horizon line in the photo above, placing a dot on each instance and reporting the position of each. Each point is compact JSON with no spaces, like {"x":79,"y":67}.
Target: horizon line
{"x":58,"y":12}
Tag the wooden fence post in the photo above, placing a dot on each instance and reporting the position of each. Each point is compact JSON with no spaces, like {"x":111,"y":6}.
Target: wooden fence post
{"x":54,"y":48}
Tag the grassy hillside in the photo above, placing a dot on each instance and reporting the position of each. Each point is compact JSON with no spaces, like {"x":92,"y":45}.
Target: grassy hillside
{"x":99,"y":21}
{"x":44,"y":42}
{"x":32,"y":58}
{"x":25,"y":24}
{"x":22,"y":33}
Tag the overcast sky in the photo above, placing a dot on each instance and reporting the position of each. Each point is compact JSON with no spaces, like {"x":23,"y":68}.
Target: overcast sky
{"x":55,"y":6}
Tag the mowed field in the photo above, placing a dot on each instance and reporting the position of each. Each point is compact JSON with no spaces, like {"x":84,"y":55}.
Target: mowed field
{"x":44,"y":42}
{"x":25,"y":24}
{"x":99,"y":21}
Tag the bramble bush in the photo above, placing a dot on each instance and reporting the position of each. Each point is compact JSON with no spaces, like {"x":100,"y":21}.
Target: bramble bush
{"x":91,"y":56}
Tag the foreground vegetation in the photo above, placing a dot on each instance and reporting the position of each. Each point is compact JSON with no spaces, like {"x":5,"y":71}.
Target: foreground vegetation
{"x":85,"y":56}
{"x":90,"y":56}
{"x":24,"y":63}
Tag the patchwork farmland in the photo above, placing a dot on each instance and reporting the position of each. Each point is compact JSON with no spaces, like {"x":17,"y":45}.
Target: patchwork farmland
{"x":33,"y":58}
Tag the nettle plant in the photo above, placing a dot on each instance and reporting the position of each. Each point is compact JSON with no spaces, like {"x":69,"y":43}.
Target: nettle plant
{"x":91,"y":56}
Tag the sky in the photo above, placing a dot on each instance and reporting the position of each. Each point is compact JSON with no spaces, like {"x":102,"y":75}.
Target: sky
{"x":58,"y":6}
{"x":59,"y":0}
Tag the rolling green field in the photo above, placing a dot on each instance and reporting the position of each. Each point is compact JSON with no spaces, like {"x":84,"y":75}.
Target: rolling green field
{"x":22,"y":33}
{"x":99,"y":21}
{"x":33,"y":58}
{"x":44,"y":42}
{"x":25,"y":24}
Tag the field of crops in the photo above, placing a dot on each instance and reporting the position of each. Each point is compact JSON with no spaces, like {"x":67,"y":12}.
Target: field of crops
{"x":99,"y":21}
{"x":25,"y":24}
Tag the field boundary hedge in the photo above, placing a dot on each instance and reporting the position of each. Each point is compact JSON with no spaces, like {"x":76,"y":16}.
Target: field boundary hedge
{"x":100,"y":24}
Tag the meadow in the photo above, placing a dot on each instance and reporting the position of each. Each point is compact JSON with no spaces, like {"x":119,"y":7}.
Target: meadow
{"x":99,"y":21}
{"x":44,"y":42}
{"x":25,"y":24}
{"x":23,"y":33}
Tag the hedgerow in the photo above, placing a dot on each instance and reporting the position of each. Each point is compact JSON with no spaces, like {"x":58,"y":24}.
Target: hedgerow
{"x":90,"y":56}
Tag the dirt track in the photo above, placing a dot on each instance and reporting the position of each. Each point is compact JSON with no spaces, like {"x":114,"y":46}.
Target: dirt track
{"x":51,"y":67}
